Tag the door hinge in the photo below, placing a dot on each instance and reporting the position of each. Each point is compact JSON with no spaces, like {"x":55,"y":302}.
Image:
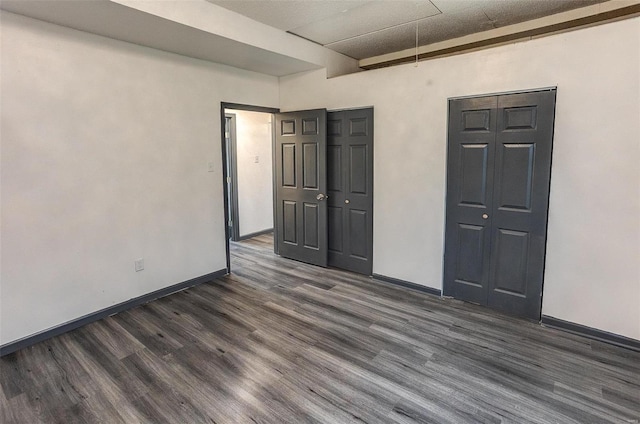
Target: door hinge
{"x":228,"y":180}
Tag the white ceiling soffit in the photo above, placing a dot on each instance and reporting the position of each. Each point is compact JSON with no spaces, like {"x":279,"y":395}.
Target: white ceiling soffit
{"x":363,"y":29}
{"x":193,"y":28}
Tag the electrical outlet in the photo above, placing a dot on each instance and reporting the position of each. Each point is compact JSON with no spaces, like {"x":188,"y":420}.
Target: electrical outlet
{"x":211,"y":167}
{"x":139,"y":264}
{"x":257,"y":159}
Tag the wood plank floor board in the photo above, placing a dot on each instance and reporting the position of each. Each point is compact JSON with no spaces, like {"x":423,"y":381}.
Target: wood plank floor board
{"x":491,"y":395}
{"x":315,"y":404}
{"x":334,"y":304}
{"x":406,"y":411}
{"x":82,"y":382}
{"x":149,"y":335}
{"x":114,"y":396}
{"x":115,"y":339}
{"x":279,"y":341}
{"x":341,"y":395}
{"x":229,"y":332}
{"x":47,"y":385}
{"x":6,"y":413}
{"x":594,"y":400}
{"x":336,"y":379}
{"x":77,"y":414}
{"x":29,"y":409}
{"x":401,"y":308}
{"x":159,"y":407}
{"x":171,"y":335}
{"x":111,"y":368}
{"x":171,"y":384}
{"x":628,"y":398}
{"x":528,"y":391}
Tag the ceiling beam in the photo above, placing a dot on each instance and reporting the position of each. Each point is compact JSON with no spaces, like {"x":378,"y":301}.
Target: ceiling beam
{"x":566,"y":21}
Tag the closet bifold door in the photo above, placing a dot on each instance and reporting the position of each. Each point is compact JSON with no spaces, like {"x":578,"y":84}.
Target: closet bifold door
{"x":498,"y":175}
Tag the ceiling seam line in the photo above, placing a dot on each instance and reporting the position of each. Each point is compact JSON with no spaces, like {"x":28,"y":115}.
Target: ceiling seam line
{"x":373,"y":32}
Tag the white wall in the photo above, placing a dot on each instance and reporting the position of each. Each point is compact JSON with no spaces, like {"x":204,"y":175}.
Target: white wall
{"x":593,"y":249}
{"x":105,"y":148}
{"x":255,"y":179}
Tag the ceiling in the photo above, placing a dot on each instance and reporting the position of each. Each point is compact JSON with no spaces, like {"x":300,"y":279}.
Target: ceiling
{"x":366,"y":28}
{"x":284,"y":37}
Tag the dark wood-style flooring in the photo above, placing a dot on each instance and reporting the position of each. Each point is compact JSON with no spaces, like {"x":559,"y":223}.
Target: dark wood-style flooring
{"x":284,"y":342}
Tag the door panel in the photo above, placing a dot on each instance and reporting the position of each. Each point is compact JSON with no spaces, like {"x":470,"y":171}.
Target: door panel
{"x":311,"y":226}
{"x":301,"y":176}
{"x":524,"y":138}
{"x":472,"y":124}
{"x":336,"y":229}
{"x":334,"y":168}
{"x":350,"y":147}
{"x":358,"y":234}
{"x":289,"y":165}
{"x":290,"y":222}
{"x":310,"y":170}
{"x":516,"y":176}
{"x":358,"y":172}
{"x":511,"y":253}
{"x":471,"y":251}
{"x":499,"y":167}
{"x":473,"y":174}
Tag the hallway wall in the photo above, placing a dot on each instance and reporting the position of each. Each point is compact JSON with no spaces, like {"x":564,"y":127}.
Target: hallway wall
{"x":254,"y":166}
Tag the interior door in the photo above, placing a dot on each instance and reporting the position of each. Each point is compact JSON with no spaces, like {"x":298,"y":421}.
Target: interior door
{"x":301,"y":186}
{"x":350,"y":189}
{"x":499,"y":168}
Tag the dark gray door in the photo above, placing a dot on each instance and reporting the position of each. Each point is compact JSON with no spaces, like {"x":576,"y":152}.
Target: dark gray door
{"x":350,"y":189}
{"x":499,"y":167}
{"x":301,"y":186}
{"x":471,"y":147}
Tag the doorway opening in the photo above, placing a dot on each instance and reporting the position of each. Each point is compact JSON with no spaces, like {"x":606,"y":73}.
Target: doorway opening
{"x":316,"y":191}
{"x":247,"y":154}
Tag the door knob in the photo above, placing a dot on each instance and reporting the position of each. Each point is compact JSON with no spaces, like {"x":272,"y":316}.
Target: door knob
{"x":321,"y":196}
{"x":485,"y":216}
{"x":346,"y":201}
